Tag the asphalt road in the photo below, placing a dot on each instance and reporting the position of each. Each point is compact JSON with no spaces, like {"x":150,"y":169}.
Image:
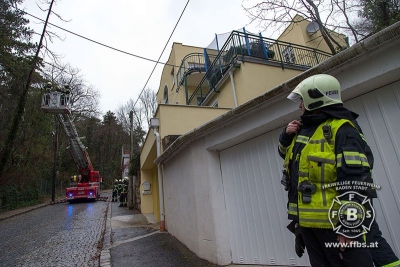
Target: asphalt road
{"x":55,"y":235}
{"x":88,"y":234}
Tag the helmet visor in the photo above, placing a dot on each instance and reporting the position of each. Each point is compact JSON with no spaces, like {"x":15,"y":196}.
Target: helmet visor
{"x":295,"y":97}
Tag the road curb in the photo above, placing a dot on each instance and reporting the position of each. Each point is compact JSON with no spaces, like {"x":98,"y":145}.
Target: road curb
{"x":8,"y":214}
{"x":105,"y":255}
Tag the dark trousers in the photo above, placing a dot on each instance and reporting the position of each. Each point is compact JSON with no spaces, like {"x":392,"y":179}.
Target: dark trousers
{"x":383,"y":254}
{"x":322,"y":256}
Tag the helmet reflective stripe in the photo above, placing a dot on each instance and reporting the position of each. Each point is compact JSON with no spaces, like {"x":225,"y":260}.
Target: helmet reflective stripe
{"x":317,"y":91}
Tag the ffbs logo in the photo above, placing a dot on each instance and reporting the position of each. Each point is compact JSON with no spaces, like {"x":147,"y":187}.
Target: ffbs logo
{"x":351,"y":218}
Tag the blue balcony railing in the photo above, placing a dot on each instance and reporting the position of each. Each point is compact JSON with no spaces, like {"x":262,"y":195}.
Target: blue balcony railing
{"x":194,"y":62}
{"x":245,"y":47}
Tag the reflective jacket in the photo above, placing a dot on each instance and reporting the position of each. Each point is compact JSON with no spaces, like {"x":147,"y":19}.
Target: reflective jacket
{"x":314,"y":160}
{"x":115,"y":188}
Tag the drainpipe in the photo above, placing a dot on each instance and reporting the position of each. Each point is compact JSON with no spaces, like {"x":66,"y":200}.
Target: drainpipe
{"x":154,"y":123}
{"x":233,"y":88}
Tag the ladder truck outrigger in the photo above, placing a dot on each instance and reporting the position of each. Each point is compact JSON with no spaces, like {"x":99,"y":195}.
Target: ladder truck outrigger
{"x":87,"y":184}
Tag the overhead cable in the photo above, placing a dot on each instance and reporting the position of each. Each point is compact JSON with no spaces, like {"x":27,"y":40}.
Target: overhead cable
{"x":183,"y":11}
{"x":96,"y":42}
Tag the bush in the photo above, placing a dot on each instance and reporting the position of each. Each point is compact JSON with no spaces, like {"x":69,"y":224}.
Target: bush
{"x":14,"y":197}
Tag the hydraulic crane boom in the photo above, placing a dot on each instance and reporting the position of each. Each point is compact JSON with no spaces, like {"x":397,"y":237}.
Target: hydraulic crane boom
{"x":77,"y":149}
{"x":87,"y":186}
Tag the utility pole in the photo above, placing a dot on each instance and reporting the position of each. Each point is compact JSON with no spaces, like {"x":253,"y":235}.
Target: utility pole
{"x":132,"y":195}
{"x":55,"y":141}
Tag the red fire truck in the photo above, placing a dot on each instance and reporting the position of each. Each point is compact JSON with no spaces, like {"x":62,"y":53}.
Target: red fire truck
{"x":87,"y":184}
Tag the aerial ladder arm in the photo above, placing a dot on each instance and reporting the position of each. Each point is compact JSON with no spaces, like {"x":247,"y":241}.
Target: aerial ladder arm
{"x":87,"y":187}
{"x":76,"y":148}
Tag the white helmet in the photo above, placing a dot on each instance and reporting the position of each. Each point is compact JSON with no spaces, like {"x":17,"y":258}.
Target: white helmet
{"x":317,"y":91}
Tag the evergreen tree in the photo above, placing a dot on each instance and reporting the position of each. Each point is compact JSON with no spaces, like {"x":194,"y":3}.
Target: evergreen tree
{"x":16,"y":54}
{"x":379,"y":14}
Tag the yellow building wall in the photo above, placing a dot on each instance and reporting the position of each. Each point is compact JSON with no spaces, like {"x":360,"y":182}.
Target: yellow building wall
{"x":255,"y":79}
{"x":174,"y":120}
{"x":296,"y":33}
{"x":149,"y":151}
{"x":150,"y":203}
{"x":224,"y":96}
{"x":178,"y":52}
{"x":177,"y":119}
{"x":147,"y":202}
{"x":155,"y":194}
{"x":252,"y":80}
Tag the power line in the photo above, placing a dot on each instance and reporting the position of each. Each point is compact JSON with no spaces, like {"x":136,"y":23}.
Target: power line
{"x":96,"y":42}
{"x":162,"y":52}
{"x":124,"y":52}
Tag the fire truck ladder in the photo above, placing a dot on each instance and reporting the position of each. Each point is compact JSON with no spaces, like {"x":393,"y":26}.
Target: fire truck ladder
{"x":77,"y":149}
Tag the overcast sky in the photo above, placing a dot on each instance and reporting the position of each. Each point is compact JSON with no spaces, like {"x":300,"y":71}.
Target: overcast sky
{"x":137,"y":27}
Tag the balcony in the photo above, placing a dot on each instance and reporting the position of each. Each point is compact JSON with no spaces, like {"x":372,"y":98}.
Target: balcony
{"x":213,"y":66}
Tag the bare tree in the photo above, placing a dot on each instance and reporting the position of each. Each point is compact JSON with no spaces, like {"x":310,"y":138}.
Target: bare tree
{"x":331,"y":15}
{"x":143,"y":110}
{"x":123,"y":115}
{"x":84,"y":98}
{"x":149,"y":103}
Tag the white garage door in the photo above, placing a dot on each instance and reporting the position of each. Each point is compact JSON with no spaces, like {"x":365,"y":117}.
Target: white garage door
{"x":256,"y":201}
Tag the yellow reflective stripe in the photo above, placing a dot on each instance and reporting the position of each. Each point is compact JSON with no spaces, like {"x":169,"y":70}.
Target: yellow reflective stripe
{"x":325,"y":211}
{"x":316,"y":218}
{"x":282,"y":149}
{"x":303,"y":174}
{"x":355,"y":158}
{"x":321,"y":141}
{"x":393,"y":264}
{"x":318,"y":159}
{"x":292,"y":209}
{"x":339,"y":160}
{"x":302,"y":139}
{"x":317,"y":223}
{"x":362,"y":136}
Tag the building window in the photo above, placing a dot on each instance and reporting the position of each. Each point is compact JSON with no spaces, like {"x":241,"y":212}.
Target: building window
{"x":173,"y":76}
{"x":288,"y":54}
{"x":166,"y":95}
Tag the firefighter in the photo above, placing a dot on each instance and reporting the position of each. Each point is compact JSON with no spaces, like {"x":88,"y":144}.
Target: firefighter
{"x":115,"y":192}
{"x":119,"y":188}
{"x":47,"y":90}
{"x":65,"y":92}
{"x":124,"y":193}
{"x":324,"y":147}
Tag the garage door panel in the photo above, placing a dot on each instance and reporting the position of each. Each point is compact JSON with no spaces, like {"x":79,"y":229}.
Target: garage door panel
{"x":233,"y":208}
{"x":256,"y":204}
{"x":256,"y":196}
{"x":380,"y":122}
{"x":261,"y":163}
{"x":275,"y":200}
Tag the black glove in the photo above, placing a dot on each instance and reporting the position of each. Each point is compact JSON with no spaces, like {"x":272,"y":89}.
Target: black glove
{"x":299,"y":245}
